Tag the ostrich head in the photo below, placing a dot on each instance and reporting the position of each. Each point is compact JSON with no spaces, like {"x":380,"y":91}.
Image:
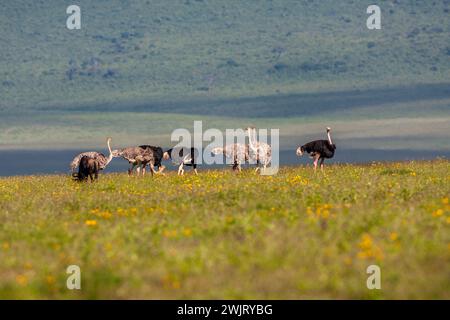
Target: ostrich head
{"x":166,"y":155}
{"x":328,"y":129}
{"x":116,"y":153}
{"x":300,"y":151}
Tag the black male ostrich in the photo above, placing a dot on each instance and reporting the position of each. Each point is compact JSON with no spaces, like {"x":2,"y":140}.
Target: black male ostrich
{"x":183,"y":157}
{"x":319,"y":150}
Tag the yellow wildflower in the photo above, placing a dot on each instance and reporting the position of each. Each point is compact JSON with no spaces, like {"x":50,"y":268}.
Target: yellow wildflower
{"x":21,"y":279}
{"x":393,"y":236}
{"x":438,"y":213}
{"x":90,"y":223}
{"x":369,"y":249}
{"x":348,"y":261}
{"x":366,"y":242}
{"x":50,"y":280}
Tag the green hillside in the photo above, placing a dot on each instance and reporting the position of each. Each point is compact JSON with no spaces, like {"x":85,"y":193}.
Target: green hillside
{"x":136,"y":51}
{"x":143,"y":68}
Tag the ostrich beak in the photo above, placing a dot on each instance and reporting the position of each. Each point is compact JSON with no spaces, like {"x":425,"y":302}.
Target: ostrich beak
{"x":328,"y":129}
{"x":299,"y":151}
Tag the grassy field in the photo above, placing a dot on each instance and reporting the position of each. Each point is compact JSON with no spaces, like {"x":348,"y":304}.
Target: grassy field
{"x":221,"y":235}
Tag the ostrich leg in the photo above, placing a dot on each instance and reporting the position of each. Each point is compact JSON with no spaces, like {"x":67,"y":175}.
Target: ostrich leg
{"x":131,"y":169}
{"x":152,"y":169}
{"x":258,"y":163}
{"x":266,"y":162}
{"x":321,"y":163}
{"x":180,"y":170}
{"x":316,"y":160}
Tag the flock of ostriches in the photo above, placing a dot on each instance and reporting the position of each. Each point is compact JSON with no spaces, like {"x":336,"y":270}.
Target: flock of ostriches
{"x":90,"y":163}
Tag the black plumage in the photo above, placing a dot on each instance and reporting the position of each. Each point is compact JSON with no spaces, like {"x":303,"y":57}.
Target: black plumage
{"x":88,"y":168}
{"x":319,"y":150}
{"x":321,"y":147}
{"x":155,"y":161}
{"x":183,"y":157}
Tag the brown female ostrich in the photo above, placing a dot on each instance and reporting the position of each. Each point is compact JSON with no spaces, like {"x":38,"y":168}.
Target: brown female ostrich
{"x":319,"y":150}
{"x":261,"y":152}
{"x":102,"y":160}
{"x":238,"y":152}
{"x":137,"y":157}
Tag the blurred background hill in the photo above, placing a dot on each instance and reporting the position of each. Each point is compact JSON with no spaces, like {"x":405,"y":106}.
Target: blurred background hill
{"x":139,"y":69}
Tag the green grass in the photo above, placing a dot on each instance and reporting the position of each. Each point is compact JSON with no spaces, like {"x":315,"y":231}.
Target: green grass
{"x":221,"y":235}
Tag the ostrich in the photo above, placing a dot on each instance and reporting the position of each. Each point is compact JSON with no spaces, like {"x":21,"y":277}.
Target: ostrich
{"x":184,"y":158}
{"x":319,"y":150}
{"x":238,"y":152}
{"x":157,"y":158}
{"x":88,"y":168}
{"x":261,"y":151}
{"x":136,"y":157}
{"x":102,"y":160}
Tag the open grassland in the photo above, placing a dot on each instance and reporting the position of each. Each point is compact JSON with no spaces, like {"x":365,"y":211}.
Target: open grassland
{"x":224,"y":235}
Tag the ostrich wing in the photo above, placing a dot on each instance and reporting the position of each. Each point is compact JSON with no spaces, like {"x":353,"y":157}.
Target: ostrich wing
{"x":236,"y":150}
{"x":91,"y":154}
{"x":103,"y":161}
{"x":262,"y":151}
{"x":136,"y":154}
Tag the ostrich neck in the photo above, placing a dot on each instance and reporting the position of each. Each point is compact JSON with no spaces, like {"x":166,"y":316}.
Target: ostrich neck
{"x":329,"y":138}
{"x":252,"y":139}
{"x":108,"y":160}
{"x":110,"y":157}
